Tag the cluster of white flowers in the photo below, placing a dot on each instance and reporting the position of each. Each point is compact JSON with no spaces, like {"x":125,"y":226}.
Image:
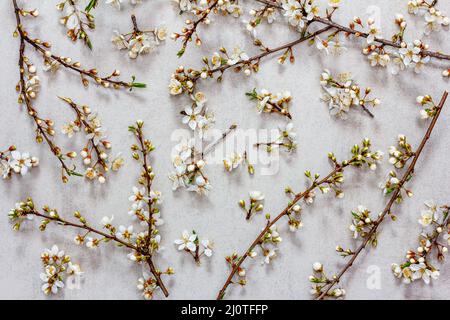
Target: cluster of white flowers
{"x":255,"y":203}
{"x":188,"y":171}
{"x":57,"y":268}
{"x":76,"y":20}
{"x":190,"y":243}
{"x":434,"y":18}
{"x":400,"y":154}
{"x":287,"y":139}
{"x":118,"y":3}
{"x":269,"y":243}
{"x":418,"y":265}
{"x":391,"y":184}
{"x":139,"y":42}
{"x":344,"y":93}
{"x":268,"y":102}
{"x":95,"y":153}
{"x":258,"y":15}
{"x":429,"y":107}
{"x":198,"y":7}
{"x":319,"y":280}
{"x":13,"y":161}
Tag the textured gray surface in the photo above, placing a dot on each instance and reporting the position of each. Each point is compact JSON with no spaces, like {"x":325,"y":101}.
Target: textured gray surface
{"x":108,"y":273}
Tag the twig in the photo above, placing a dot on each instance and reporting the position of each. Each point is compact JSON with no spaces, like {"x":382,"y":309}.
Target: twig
{"x":406,"y":177}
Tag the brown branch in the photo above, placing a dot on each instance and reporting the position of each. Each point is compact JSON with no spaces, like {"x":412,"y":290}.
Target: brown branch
{"x":348,"y":30}
{"x":408,"y":174}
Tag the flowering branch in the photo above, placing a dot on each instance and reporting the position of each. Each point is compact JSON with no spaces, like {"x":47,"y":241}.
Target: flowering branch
{"x":360,"y":156}
{"x":352,"y":31}
{"x":191,"y":30}
{"x":418,"y":265}
{"x":387,"y":210}
{"x":144,"y":245}
{"x":139,"y":42}
{"x":53,"y":61}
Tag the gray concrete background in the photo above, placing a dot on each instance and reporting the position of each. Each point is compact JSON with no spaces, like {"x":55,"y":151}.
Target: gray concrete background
{"x":108,"y":273}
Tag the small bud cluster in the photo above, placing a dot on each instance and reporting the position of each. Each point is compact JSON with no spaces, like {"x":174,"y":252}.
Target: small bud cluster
{"x":418,"y":265}
{"x":362,"y":224}
{"x":58,"y":267}
{"x":399,"y":156}
{"x":344,"y":93}
{"x":139,"y":42}
{"x":434,"y":18}
{"x":191,"y":244}
{"x":268,"y":102}
{"x":76,"y":21}
{"x":13,"y":161}
{"x":188,"y":168}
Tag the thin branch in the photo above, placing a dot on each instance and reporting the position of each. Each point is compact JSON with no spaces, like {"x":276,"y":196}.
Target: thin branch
{"x":406,"y":177}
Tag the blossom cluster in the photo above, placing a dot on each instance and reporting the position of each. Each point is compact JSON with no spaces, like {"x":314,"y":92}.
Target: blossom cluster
{"x":362,"y":224}
{"x":255,"y":204}
{"x":13,"y":161}
{"x":267,"y":102}
{"x":143,"y":244}
{"x":344,"y":93}
{"x":58,"y":268}
{"x":139,"y":42}
{"x":287,"y":139}
{"x":192,"y":244}
{"x":201,"y":10}
{"x":76,"y":21}
{"x":433,"y":17}
{"x":436,"y":227}
{"x":95,"y":153}
{"x":429,"y":107}
{"x":118,"y":3}
{"x":319,"y":280}
{"x":399,"y":156}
